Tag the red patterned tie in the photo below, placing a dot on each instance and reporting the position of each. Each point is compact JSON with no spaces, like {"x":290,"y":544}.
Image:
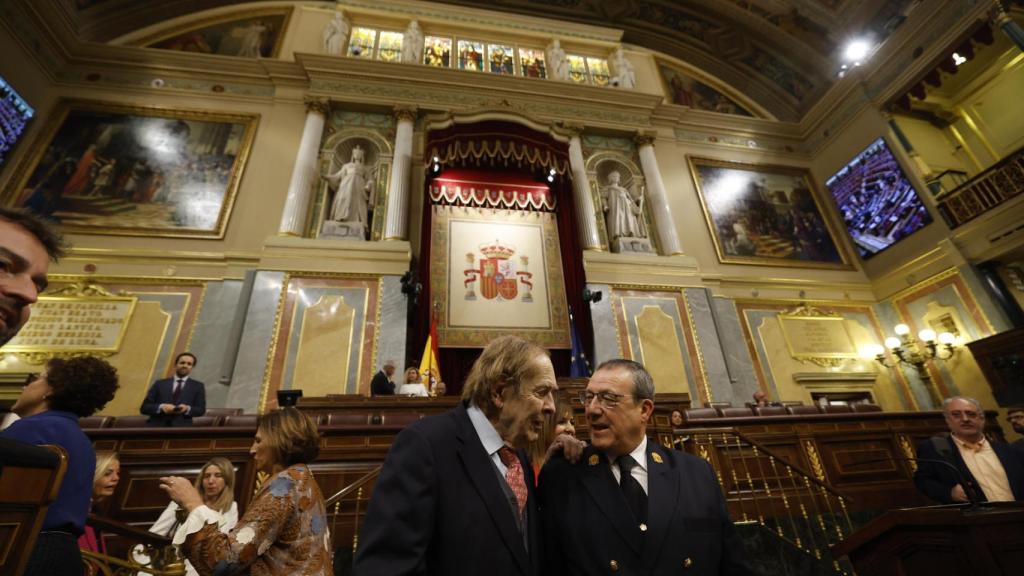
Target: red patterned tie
{"x":514,"y":476}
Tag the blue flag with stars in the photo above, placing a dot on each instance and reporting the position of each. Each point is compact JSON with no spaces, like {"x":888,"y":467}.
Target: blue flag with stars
{"x":579,"y":367}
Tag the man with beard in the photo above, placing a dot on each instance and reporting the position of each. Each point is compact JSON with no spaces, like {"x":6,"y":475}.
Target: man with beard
{"x":987,"y":472}
{"x":629,"y":504}
{"x":175,"y":401}
{"x":27,"y":245}
{"x":1016,"y":417}
{"x":455,"y":495}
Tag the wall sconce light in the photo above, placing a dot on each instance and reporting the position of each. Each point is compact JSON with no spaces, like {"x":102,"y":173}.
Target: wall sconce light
{"x":591,"y":296}
{"x":916,"y":352}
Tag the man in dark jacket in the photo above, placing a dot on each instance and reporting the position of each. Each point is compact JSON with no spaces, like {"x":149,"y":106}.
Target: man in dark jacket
{"x":175,"y":401}
{"x":629,"y":505}
{"x":455,"y":495}
{"x":978,"y":470}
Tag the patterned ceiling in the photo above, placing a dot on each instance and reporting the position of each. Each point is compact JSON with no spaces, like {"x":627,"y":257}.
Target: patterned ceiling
{"x":779,"y":53}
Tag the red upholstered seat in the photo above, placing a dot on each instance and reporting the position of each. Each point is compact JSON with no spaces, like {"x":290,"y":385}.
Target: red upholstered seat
{"x":241,"y":420}
{"x":867,"y":408}
{"x":691,"y":414}
{"x":96,"y":421}
{"x":738,"y":412}
{"x":770,"y":410}
{"x":347,"y":419}
{"x":130,"y":421}
{"x":803,"y":410}
{"x":397,"y":418}
{"x":223,"y":411}
{"x":838,"y":409}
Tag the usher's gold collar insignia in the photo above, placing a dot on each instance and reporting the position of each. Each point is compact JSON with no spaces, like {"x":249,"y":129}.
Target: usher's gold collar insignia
{"x":656,"y":457}
{"x":594,"y":459}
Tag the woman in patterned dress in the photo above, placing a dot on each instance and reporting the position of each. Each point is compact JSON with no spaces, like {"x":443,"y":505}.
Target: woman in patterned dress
{"x":284,"y":531}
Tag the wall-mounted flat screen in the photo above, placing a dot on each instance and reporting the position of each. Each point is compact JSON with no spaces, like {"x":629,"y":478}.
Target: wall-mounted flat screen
{"x":876,"y":200}
{"x":14,"y":116}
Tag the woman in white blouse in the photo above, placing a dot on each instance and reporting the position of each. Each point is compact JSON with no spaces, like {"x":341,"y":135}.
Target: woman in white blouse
{"x":216,"y":483}
{"x":413,"y":386}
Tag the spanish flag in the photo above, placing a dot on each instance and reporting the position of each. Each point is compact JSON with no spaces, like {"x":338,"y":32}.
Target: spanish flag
{"x":429,"y":361}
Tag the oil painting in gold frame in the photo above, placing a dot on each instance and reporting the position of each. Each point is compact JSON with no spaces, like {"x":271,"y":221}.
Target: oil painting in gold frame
{"x":102,"y":168}
{"x":766,"y":215}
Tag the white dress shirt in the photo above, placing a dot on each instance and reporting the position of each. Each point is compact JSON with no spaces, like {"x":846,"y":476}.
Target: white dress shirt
{"x":639,"y":472}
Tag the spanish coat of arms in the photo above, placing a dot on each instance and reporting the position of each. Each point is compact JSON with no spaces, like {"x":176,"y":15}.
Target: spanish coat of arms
{"x":497,"y":274}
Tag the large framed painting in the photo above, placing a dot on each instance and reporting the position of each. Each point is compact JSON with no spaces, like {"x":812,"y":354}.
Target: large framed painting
{"x":105,"y":168}
{"x":250,"y":34}
{"x":767,"y":215}
{"x":497,"y":272}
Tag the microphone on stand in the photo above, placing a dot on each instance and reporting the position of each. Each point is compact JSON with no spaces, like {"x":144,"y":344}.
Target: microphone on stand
{"x":968,"y":487}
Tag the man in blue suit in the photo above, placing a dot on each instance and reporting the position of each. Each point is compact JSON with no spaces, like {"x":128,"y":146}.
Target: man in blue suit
{"x":455,"y":496}
{"x":628,"y":505}
{"x":985,"y":471}
{"x":175,"y":401}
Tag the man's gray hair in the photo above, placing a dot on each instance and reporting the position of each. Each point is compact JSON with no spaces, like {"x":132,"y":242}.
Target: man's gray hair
{"x":643,"y":388}
{"x":948,"y":401}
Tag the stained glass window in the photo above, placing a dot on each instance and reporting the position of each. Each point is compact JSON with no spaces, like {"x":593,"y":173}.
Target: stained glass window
{"x":471,"y":55}
{"x":598,"y":71}
{"x":14,"y":116}
{"x":437,"y":51}
{"x":531,"y":63}
{"x":390,"y":49}
{"x":360,"y":44}
{"x":577,"y":69}
{"x":500,"y":59}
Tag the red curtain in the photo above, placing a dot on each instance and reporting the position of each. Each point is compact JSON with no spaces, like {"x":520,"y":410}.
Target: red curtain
{"x":514,"y":175}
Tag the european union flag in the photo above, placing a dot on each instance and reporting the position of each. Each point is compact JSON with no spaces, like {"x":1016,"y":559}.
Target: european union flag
{"x":579,"y":367}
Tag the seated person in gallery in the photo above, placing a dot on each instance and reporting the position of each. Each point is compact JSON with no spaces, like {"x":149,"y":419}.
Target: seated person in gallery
{"x":978,"y":471}
{"x":623,"y":214}
{"x":413,"y":386}
{"x":352,"y":184}
{"x":104,"y":482}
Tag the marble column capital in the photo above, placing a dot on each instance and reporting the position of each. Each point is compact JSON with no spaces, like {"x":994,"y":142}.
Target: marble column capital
{"x":318,"y":105}
{"x":406,"y":113}
{"x":644,"y":139}
{"x":573,"y":130}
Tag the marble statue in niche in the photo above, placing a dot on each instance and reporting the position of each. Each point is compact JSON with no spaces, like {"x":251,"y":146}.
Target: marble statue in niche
{"x":624,"y":216}
{"x":412,"y":44}
{"x":335,"y":35}
{"x":558,"y":62}
{"x":624,"y":76}
{"x":353,"y":186}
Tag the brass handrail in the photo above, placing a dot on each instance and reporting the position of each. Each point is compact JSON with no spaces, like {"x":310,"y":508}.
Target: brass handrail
{"x":97,"y":563}
{"x":352,"y":487}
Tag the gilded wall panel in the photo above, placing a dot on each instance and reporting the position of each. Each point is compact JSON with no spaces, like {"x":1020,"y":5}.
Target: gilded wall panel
{"x":319,"y":318}
{"x":655,"y":329}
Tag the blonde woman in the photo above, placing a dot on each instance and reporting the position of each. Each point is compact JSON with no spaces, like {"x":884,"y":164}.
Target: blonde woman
{"x":104,"y":482}
{"x":216,"y":484}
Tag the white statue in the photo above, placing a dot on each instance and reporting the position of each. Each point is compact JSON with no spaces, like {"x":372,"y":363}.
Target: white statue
{"x":558,"y":64}
{"x":352,"y":184}
{"x":623,"y":214}
{"x":335,"y":35}
{"x":624,"y":75}
{"x":252,"y":40}
{"x":412,"y":44}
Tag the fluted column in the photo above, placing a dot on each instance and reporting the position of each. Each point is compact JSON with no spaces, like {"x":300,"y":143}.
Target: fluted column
{"x":586,"y":218}
{"x":304,"y":175}
{"x":397,"y":224}
{"x":658,"y":198}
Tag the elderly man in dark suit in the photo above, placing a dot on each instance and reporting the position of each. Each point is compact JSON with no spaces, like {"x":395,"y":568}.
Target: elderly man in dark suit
{"x":456,"y":494}
{"x":629,"y":505}
{"x":381,"y":385}
{"x":175,"y":401}
{"x":987,"y":472}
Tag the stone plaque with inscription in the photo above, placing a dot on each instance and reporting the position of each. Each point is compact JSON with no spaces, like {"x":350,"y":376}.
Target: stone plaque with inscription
{"x":817,"y":338}
{"x":77,"y":319}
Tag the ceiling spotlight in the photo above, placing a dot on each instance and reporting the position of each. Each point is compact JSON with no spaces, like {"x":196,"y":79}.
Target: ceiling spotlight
{"x":958,"y":59}
{"x":856,"y":50}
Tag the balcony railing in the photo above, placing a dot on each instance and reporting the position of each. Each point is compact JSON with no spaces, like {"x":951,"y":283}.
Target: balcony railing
{"x":986,"y":191}
{"x":765,"y":489}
